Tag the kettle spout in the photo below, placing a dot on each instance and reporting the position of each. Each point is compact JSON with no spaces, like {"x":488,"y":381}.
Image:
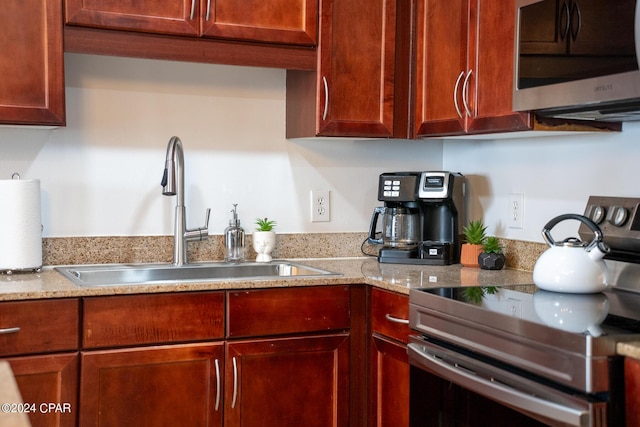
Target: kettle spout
{"x":598,"y":251}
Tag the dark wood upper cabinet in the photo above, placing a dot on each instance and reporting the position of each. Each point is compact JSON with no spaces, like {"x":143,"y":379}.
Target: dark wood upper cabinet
{"x":165,"y":16}
{"x":31,"y":63}
{"x":358,"y":84}
{"x":464,"y":68}
{"x":277,"y":21}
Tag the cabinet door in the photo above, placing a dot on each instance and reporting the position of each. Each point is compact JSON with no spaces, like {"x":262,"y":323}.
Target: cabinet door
{"x":31,"y":63}
{"x":50,"y":379}
{"x":490,"y":65}
{"x":632,"y":391}
{"x":276,"y":21}
{"x":161,"y":16}
{"x":177,"y":385}
{"x":352,"y":93}
{"x":389,"y":384}
{"x":440,"y":67}
{"x":357,"y":68}
{"x":288,"y":382}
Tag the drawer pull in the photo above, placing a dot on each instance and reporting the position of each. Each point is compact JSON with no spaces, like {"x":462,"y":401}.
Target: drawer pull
{"x":390,"y":318}
{"x":9,"y":330}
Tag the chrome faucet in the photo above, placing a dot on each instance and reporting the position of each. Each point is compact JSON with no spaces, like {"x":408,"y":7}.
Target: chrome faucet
{"x":173,"y":185}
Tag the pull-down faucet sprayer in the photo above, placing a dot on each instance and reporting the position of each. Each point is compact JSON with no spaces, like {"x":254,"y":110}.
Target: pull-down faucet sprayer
{"x":173,"y":185}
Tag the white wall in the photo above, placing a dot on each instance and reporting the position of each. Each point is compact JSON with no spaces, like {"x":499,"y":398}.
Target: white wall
{"x":555,"y":174}
{"x":100,"y":175}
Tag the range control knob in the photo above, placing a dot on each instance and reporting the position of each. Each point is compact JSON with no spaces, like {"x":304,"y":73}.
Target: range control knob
{"x":597,"y":214}
{"x":618,"y":215}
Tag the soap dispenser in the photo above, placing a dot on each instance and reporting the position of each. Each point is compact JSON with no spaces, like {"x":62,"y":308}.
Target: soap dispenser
{"x":234,"y":239}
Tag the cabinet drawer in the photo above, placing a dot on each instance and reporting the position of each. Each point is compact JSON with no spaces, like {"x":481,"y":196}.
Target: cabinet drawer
{"x":152,"y":318}
{"x":40,"y":326}
{"x":390,"y":314}
{"x":287,"y":311}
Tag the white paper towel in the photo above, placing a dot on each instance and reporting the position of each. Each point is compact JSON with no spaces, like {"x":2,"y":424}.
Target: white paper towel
{"x":20,"y":224}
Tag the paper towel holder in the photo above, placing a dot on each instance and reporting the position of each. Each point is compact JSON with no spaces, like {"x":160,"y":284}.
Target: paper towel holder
{"x":9,"y":271}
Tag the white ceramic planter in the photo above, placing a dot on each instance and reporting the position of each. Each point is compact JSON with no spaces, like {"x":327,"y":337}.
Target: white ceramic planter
{"x":263,"y":244}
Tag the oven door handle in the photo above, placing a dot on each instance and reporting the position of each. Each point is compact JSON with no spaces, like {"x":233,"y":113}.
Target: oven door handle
{"x":498,"y":391}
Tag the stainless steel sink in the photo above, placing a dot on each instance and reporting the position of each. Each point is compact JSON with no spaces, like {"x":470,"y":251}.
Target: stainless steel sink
{"x":123,"y":274}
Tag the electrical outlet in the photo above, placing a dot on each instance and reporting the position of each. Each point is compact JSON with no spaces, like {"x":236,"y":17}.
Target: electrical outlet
{"x":320,"y":206}
{"x":516,"y":210}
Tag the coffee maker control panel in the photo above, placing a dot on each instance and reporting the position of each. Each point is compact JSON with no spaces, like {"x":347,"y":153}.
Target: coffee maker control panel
{"x":398,"y":187}
{"x":434,"y":185}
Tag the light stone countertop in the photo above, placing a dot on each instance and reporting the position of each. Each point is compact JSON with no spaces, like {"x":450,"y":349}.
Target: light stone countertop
{"x":394,"y":277}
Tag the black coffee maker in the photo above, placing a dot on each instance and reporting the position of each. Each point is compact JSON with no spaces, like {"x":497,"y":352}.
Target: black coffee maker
{"x":423,"y":216}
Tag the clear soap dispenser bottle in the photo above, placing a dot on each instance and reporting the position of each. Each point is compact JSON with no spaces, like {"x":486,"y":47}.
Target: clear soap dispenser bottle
{"x":234,"y":239}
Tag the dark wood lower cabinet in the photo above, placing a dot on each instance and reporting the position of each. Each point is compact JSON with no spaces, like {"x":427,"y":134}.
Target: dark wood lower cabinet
{"x":389,"y":383}
{"x":175,"y":385}
{"x":48,"y":379}
{"x":288,"y":382}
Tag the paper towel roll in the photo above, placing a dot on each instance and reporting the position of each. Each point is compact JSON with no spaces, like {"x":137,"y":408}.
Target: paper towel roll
{"x":20,"y":225}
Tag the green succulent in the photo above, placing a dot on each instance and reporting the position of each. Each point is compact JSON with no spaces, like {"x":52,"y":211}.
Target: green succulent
{"x":492,"y":245}
{"x":264,"y":224}
{"x":474,"y":232}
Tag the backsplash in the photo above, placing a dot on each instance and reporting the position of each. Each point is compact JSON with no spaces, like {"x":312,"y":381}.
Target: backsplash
{"x":101,"y":250}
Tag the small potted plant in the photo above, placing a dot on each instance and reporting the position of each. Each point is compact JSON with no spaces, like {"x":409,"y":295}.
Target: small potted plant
{"x":474,"y":234}
{"x":491,"y":258}
{"x":264,"y":239}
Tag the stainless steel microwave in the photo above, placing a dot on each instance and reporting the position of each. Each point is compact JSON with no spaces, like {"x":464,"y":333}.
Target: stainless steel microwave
{"x":578,"y":59}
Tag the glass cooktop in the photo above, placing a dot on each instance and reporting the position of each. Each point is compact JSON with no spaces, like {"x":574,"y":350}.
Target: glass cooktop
{"x":613,"y":312}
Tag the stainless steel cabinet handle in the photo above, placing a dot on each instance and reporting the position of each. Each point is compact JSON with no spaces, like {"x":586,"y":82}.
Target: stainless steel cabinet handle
{"x":390,"y":318}
{"x":326,"y":98}
{"x":208,"y":9}
{"x":465,"y":93}
{"x":217,"y":384}
{"x":193,"y":9}
{"x":455,"y":94}
{"x":235,"y":383}
{"x":9,"y":330}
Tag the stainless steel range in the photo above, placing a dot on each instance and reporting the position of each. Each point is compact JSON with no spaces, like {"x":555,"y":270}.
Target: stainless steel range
{"x":549,"y":358}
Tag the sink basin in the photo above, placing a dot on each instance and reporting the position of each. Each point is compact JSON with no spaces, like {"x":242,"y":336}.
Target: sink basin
{"x":122,"y":274}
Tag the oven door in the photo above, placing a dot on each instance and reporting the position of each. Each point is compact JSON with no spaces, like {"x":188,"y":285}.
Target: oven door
{"x":555,"y":407}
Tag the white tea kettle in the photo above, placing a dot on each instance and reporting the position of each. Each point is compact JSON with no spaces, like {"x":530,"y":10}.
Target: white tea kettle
{"x":572,"y":266}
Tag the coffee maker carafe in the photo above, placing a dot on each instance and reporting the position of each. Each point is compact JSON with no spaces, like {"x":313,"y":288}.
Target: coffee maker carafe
{"x":423,"y":214}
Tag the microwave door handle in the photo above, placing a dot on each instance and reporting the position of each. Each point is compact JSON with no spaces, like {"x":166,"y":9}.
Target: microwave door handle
{"x":499,"y":392}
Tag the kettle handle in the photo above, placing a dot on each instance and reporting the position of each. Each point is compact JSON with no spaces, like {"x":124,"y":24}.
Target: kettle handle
{"x":597,"y":241}
{"x":372,"y":228}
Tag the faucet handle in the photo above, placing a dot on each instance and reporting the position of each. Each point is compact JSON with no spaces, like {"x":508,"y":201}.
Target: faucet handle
{"x":206,"y":219}
{"x":200,"y":233}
